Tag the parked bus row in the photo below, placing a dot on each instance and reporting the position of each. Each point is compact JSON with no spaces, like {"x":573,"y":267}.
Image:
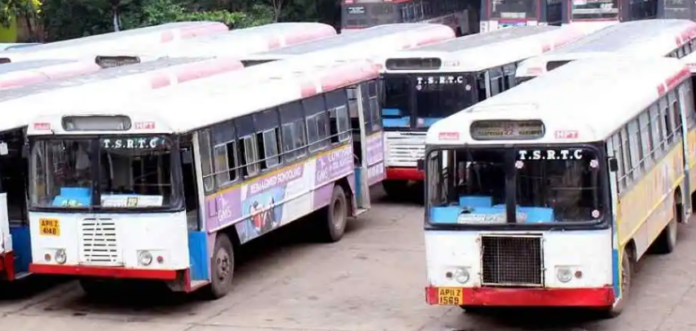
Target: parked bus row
{"x":136,"y":71}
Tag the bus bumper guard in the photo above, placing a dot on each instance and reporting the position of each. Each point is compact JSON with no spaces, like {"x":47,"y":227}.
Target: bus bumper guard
{"x":531,"y":297}
{"x":105,"y":272}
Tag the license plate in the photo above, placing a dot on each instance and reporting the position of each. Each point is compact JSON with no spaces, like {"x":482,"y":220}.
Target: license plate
{"x":49,"y":227}
{"x":450,"y":296}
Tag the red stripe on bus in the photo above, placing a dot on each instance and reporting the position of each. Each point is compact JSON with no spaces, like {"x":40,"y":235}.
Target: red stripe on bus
{"x":672,"y":82}
{"x":159,"y":80}
{"x":305,"y":36}
{"x":22,"y":81}
{"x":107,"y":272}
{"x":687,"y":35}
{"x":530,"y":297}
{"x":198,"y":30}
{"x":61,"y":71}
{"x":167,"y":36}
{"x":348,"y":75}
{"x":206,"y":69}
{"x":435,"y":34}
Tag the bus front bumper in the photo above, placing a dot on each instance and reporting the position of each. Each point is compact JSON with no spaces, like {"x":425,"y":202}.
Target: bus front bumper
{"x":525,"y":297}
{"x":394,"y":173}
{"x":105,"y":272}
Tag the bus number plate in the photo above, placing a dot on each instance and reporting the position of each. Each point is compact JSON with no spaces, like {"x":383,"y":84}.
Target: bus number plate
{"x":450,"y":296}
{"x":49,"y":227}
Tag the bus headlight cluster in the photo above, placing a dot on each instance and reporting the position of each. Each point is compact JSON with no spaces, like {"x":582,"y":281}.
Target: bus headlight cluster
{"x":61,"y":257}
{"x":564,"y":274}
{"x":462,"y":275}
{"x":144,"y":258}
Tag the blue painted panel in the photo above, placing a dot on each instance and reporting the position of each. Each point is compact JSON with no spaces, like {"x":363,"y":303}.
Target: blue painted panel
{"x":198,"y":255}
{"x":73,"y":196}
{"x":21,"y":245}
{"x":475,"y":201}
{"x":358,"y":184}
{"x":391,"y":112}
{"x":403,"y":122}
{"x":445,"y":215}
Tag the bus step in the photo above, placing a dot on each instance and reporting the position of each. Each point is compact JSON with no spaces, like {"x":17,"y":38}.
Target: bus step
{"x":360,"y":211}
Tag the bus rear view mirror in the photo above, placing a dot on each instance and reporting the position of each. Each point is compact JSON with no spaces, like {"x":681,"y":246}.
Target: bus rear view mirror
{"x":613,"y":164}
{"x":420,"y":164}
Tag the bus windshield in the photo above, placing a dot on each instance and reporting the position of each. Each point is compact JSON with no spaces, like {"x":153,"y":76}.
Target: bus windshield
{"x":549,"y":185}
{"x":427,"y":97}
{"x":513,"y":9}
{"x":595,"y":9}
{"x":130,"y":172}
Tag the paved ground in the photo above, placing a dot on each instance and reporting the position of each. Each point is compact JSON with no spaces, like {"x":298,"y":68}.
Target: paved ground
{"x":372,"y":280}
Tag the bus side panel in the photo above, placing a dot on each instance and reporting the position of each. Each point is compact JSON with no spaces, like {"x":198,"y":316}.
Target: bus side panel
{"x":280,"y":196}
{"x":198,"y":255}
{"x":375,"y":158}
{"x":646,"y":208}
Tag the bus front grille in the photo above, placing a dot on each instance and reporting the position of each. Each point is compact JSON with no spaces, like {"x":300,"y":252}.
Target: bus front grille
{"x":512,"y":261}
{"x":98,"y":242}
{"x":404,"y":149}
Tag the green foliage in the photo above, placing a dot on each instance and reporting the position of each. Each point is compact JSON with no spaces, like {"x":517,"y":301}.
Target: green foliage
{"x":11,"y":9}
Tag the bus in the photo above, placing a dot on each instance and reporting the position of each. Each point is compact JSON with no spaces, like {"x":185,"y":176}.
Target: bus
{"x":175,"y":194}
{"x":5,"y":46}
{"x":141,"y":39}
{"x":499,"y":14}
{"x":426,"y":84}
{"x":24,"y":104}
{"x":549,"y":206}
{"x":361,"y":14}
{"x":595,"y":15}
{"x":648,"y":38}
{"x":32,"y":72}
{"x":234,"y":43}
{"x":370,"y":43}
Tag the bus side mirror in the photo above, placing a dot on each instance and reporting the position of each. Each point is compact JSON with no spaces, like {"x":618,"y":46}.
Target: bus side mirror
{"x":420,"y":164}
{"x":613,"y":164}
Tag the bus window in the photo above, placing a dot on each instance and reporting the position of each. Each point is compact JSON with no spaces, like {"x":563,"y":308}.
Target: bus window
{"x":595,"y":10}
{"x":513,"y":9}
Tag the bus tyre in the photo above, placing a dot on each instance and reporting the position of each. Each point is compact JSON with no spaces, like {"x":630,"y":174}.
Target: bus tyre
{"x":395,"y":188}
{"x":336,"y":216}
{"x":222,"y":268}
{"x":626,"y":280}
{"x":667,"y":240}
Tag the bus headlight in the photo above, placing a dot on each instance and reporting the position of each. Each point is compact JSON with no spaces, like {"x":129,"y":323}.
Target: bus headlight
{"x":144,"y":258}
{"x":462,"y":275}
{"x":61,"y":257}
{"x":564,"y":274}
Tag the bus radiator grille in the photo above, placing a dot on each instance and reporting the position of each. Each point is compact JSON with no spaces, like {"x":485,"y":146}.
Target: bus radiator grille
{"x":512,"y":261}
{"x":98,"y":242}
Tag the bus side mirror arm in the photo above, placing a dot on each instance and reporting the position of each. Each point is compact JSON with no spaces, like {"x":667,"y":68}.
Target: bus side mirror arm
{"x":613,"y":164}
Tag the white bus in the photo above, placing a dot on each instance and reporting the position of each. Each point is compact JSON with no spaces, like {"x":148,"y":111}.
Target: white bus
{"x":24,"y":104}
{"x":556,"y":195}
{"x":129,"y":41}
{"x":370,"y":43}
{"x":169,"y":193}
{"x":426,"y":84}
{"x":235,"y":43}
{"x":648,"y":38}
{"x":32,"y":72}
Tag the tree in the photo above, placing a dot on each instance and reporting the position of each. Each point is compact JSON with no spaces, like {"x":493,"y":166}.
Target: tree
{"x":20,"y":9}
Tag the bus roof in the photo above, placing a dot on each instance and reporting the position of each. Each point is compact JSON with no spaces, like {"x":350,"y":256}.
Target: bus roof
{"x":487,"y":50}
{"x":210,"y":101}
{"x":105,"y":86}
{"x":654,"y":37}
{"x":243,"y":42}
{"x":32,"y":72}
{"x":138,"y":40}
{"x":690,"y":61}
{"x":364,"y":43}
{"x":589,"y":98}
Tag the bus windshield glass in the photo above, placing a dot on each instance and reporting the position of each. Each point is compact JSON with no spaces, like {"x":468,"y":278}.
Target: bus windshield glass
{"x":428,"y":97}
{"x":513,"y":9}
{"x":130,"y":172}
{"x":595,"y":9}
{"x":548,"y":185}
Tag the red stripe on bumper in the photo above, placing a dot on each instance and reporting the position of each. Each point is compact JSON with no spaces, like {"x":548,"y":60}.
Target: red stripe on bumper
{"x":557,"y":297}
{"x":405,"y":174}
{"x":106,"y":272}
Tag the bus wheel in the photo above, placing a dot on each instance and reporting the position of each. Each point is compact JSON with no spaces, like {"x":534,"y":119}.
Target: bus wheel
{"x":336,"y":216}
{"x":667,"y":240}
{"x":626,"y":279}
{"x":395,"y":188}
{"x":222,"y":268}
